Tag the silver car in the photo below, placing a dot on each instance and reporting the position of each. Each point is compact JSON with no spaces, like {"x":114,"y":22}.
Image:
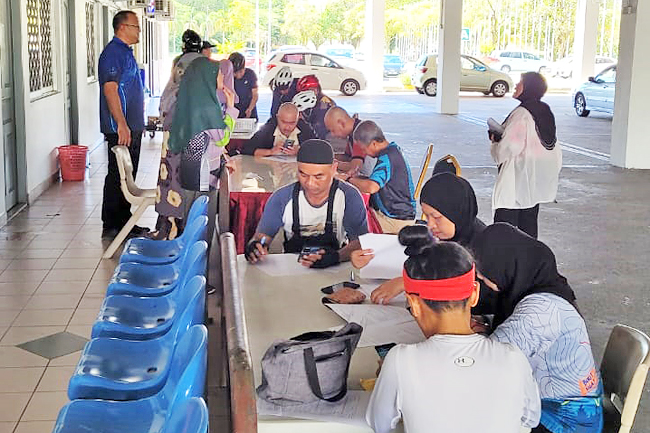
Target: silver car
{"x":597,"y":94}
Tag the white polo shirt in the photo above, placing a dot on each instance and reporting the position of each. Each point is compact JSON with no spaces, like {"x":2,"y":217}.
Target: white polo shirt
{"x":455,"y":383}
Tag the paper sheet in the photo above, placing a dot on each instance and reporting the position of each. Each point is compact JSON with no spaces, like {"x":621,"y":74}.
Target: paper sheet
{"x":495,"y":126}
{"x":368,"y":287}
{"x":283,"y":265}
{"x":281,"y":158}
{"x":389,"y":256}
{"x":382,"y":324}
{"x":350,"y":410}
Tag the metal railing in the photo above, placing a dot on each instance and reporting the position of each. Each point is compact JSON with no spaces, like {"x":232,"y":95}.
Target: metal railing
{"x":243,"y":409}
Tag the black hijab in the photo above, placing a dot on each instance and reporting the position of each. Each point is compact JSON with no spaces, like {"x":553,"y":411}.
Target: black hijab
{"x":519,"y":265}
{"x":534,"y":88}
{"x":454,"y":197}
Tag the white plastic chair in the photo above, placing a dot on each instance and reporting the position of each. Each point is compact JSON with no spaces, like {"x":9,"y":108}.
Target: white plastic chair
{"x":624,"y":369}
{"x":143,"y":198}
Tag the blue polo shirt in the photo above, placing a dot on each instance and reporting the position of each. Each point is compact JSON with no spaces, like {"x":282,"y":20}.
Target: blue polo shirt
{"x":393,"y":175}
{"x":117,"y":64}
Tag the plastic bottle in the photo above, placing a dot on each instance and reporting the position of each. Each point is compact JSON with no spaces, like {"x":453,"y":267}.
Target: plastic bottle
{"x":204,"y":180}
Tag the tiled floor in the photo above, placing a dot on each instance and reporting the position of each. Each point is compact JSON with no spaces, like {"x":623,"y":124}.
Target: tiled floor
{"x":52,"y":283}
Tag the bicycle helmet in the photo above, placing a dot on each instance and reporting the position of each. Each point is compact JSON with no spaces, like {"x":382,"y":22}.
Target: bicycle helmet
{"x":191,"y":41}
{"x":283,"y":78}
{"x":308,"y":82}
{"x":238,"y":61}
{"x":304,"y":100}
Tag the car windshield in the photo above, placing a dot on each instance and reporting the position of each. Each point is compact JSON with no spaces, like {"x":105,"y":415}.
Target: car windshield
{"x":392,"y":59}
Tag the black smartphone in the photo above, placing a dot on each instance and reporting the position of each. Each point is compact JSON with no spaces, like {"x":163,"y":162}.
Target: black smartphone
{"x":288,"y":143}
{"x":383,"y":349}
{"x":338,"y":286}
{"x":307,"y":251}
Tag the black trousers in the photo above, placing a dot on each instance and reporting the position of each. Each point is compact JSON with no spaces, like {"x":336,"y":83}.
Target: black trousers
{"x":116,"y":211}
{"x":524,"y":219}
{"x":540,"y":429}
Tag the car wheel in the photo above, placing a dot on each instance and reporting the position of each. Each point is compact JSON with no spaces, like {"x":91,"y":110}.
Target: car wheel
{"x":581,"y":105}
{"x":419,"y":90}
{"x":349,"y":87}
{"x":499,"y":88}
{"x":430,"y":88}
{"x":486,"y":93}
{"x":505,"y":68}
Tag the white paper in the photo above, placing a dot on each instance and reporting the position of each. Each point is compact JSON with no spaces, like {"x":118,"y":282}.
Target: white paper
{"x":281,"y":158}
{"x":369,"y":287}
{"x":389,"y":256}
{"x":283,"y":265}
{"x":495,"y":126}
{"x":382,"y":324}
{"x":350,"y":410}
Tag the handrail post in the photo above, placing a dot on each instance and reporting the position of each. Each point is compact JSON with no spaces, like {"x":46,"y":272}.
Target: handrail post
{"x":243,"y":407}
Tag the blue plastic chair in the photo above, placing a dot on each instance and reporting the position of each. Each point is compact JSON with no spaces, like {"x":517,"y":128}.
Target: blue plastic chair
{"x":137,"y":318}
{"x":152,"y":252}
{"x":156,"y":414}
{"x":114,"y":369}
{"x":137,"y":279}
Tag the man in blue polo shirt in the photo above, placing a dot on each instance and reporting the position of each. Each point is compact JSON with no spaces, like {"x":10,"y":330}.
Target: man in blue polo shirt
{"x":390,"y":181}
{"x":121,"y":112}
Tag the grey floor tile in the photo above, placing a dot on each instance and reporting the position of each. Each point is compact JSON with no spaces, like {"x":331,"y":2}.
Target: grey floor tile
{"x":56,"y":345}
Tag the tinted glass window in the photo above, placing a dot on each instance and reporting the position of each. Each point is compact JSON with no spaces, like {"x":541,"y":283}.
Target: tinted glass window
{"x":608,"y":75}
{"x":317,"y":60}
{"x":506,"y":54}
{"x":296,"y":59}
{"x":466,"y":64}
{"x":422,"y":61}
{"x":530,"y":56}
{"x":516,"y":55}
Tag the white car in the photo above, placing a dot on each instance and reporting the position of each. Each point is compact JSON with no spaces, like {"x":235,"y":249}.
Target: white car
{"x":332,"y":76}
{"x":597,"y":94}
{"x":564,"y":67}
{"x":515,"y":60}
{"x":475,"y":76}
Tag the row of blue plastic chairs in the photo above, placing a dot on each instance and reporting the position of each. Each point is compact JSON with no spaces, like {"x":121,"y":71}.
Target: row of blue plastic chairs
{"x":144,"y":369}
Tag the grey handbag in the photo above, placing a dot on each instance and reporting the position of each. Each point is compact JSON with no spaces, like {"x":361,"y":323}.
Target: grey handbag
{"x":309,"y":367}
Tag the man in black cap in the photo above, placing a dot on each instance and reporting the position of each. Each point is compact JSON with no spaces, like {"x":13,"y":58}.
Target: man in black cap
{"x":322,"y":217}
{"x":206,"y":48}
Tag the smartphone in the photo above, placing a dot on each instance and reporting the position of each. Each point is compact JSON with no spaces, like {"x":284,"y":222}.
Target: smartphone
{"x":338,"y":286}
{"x":288,"y":143}
{"x":383,"y":349}
{"x":307,"y":251}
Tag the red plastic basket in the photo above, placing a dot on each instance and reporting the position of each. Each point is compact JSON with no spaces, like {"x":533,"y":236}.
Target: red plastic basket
{"x":73,"y":161}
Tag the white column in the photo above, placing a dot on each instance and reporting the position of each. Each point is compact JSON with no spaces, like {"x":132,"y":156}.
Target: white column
{"x":451,"y":23}
{"x":374,"y":44}
{"x":586,"y":38}
{"x":630,"y":127}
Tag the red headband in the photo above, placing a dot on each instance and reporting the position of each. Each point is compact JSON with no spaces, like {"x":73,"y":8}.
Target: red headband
{"x":447,"y":289}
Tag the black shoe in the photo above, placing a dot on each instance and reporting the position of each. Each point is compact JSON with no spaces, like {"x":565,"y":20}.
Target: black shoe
{"x":109,"y":233}
{"x":138,"y":231}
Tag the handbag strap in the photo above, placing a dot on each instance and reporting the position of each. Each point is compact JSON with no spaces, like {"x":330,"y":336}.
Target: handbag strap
{"x":312,"y":373}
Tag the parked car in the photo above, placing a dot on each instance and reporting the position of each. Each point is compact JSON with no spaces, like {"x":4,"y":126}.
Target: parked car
{"x":564,"y":67}
{"x":475,"y":76}
{"x":515,"y":60}
{"x":332,"y":75}
{"x":597,"y":94}
{"x":249,"y":55}
{"x":393,"y":65}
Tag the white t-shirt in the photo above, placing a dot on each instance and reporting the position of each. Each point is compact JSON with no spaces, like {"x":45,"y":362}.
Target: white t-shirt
{"x":455,"y":384}
{"x":529,"y":172}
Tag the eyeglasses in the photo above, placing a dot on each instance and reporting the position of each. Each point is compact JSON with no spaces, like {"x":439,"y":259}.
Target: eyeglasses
{"x":133,"y":25}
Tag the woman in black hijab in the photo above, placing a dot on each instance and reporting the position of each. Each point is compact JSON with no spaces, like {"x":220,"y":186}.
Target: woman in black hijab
{"x":519,"y":266}
{"x":535,"y":310}
{"x":528,"y":159}
{"x":449,"y":204}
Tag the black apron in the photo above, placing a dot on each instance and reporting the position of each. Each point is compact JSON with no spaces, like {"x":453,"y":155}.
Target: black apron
{"x":326,"y":240}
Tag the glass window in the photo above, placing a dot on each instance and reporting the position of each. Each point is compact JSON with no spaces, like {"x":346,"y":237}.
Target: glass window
{"x":317,"y":60}
{"x":466,"y":63}
{"x":294,"y":59}
{"x":422,"y":60}
{"x":506,"y":54}
{"x":90,"y":40}
{"x":529,"y":56}
{"x":515,"y":55}
{"x":608,"y":76}
{"x":39,"y":45}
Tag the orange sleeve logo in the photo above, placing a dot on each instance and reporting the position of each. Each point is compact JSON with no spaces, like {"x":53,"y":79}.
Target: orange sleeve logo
{"x":588,"y":383}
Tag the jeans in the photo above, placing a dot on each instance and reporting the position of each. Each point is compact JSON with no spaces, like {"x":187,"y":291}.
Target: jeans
{"x":116,"y":210}
{"x":524,"y":219}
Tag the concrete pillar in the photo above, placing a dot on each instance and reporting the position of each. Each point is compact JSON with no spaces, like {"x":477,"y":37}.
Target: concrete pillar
{"x":451,"y":23}
{"x":586,"y":37}
{"x":374,"y":42}
{"x":630,"y":127}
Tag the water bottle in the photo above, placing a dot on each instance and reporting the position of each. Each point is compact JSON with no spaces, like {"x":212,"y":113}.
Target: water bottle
{"x":204,"y":180}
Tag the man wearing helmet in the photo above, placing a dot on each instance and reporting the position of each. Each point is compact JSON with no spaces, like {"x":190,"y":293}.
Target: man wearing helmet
{"x":284,"y":88}
{"x":313,"y":104}
{"x":281,"y":135}
{"x":245,"y":86}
